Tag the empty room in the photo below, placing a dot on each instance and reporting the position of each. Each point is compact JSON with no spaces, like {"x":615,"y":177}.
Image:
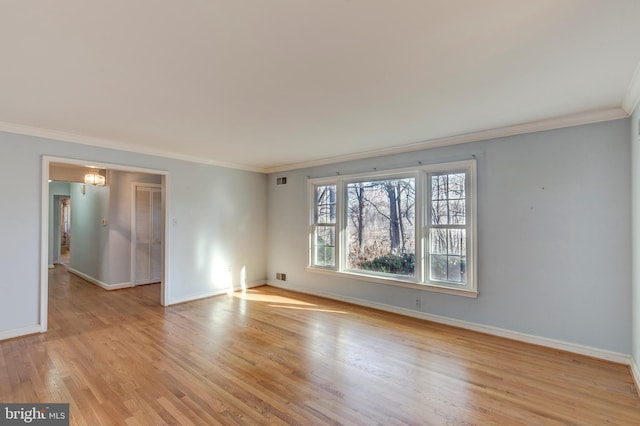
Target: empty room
{"x":332,"y":212}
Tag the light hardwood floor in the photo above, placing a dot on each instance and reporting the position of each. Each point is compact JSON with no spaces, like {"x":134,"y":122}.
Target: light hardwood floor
{"x":269,"y":356}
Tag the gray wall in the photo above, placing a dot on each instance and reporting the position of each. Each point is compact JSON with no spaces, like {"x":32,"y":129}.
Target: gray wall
{"x":90,"y":245}
{"x":219,"y":214}
{"x":553,"y":236}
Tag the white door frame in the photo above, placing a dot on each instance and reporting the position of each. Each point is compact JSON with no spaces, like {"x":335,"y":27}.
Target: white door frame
{"x":44,"y":226}
{"x":134,"y":189}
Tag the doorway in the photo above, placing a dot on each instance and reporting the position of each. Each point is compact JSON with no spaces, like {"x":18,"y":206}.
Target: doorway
{"x":160,"y":225}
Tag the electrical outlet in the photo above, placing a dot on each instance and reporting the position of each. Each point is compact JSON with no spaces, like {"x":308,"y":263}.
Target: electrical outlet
{"x":418,"y":303}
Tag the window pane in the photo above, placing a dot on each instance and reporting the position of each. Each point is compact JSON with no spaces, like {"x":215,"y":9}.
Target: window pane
{"x":438,"y":238}
{"x":438,"y":267}
{"x":448,"y":205}
{"x":440,"y":213}
{"x":325,"y":256}
{"x":457,"y":212}
{"x":447,"y":255}
{"x":439,"y":187}
{"x":381,"y":226}
{"x":456,"y":186}
{"x":326,"y":204}
{"x":325,"y":246}
{"x":457,"y":241}
{"x":454,"y":270}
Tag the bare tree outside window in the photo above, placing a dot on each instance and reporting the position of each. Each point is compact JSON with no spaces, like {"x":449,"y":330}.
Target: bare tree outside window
{"x":381,"y":226}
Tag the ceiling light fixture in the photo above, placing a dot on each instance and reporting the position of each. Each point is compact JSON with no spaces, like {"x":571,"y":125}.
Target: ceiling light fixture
{"x":95,"y":178}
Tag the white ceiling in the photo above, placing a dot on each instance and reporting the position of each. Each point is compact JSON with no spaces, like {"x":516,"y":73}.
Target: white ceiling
{"x":271,"y":85}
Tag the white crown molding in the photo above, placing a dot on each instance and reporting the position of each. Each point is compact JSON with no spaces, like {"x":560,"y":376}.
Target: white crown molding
{"x":616,"y":357}
{"x":632,"y":97}
{"x":121,"y":146}
{"x":518,"y":129}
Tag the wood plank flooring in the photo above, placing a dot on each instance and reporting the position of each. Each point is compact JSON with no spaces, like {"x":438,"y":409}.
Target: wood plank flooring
{"x":269,"y":356}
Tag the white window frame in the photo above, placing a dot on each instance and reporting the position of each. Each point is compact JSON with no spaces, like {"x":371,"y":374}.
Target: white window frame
{"x":420,"y":280}
{"x":471,"y":190}
{"x":313,"y":225}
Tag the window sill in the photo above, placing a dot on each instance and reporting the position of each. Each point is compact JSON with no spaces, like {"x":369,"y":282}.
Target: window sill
{"x":396,"y":282}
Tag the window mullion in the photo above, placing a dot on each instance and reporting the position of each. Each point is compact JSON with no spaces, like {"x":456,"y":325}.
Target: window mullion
{"x":420,"y":229}
{"x":340,"y":225}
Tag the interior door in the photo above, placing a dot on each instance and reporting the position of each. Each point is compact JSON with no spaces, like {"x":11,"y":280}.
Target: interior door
{"x":147,"y":240}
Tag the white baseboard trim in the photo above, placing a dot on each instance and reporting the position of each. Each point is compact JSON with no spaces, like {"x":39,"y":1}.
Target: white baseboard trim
{"x":98,"y":282}
{"x":635,"y":373}
{"x":198,"y":296}
{"x":52,"y":266}
{"x":19,"y":332}
{"x":118,"y":286}
{"x":603,"y":354}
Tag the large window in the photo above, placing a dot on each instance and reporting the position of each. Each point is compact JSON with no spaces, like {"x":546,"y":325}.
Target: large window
{"x":381,"y":226}
{"x":407,"y":227}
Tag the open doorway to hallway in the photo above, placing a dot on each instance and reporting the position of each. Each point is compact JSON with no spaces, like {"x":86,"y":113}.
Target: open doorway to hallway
{"x":94,"y":234}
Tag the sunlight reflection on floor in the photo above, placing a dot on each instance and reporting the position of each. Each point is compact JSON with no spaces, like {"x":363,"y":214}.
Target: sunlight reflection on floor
{"x":280,"y":301}
{"x":308,"y":309}
{"x":259,"y":297}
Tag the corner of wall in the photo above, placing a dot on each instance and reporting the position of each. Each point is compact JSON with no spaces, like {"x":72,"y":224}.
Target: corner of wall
{"x":635,"y":245}
{"x":635,"y":374}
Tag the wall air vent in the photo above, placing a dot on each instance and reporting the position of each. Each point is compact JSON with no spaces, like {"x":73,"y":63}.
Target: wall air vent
{"x":281,"y":180}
